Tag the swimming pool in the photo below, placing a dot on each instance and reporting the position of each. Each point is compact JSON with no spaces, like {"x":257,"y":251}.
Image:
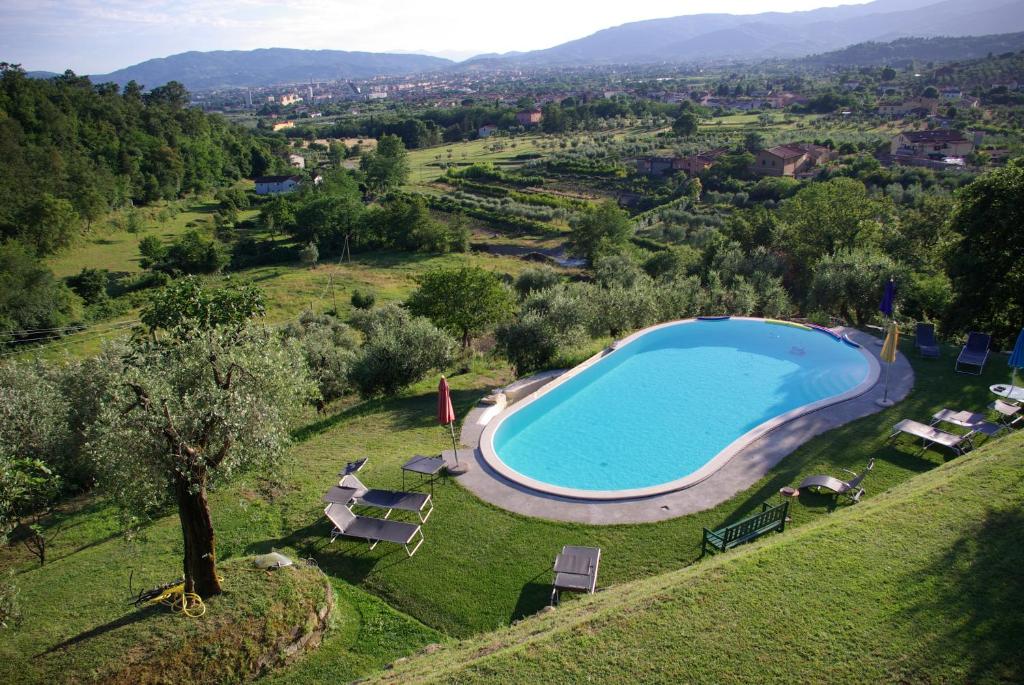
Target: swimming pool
{"x":670,"y":405}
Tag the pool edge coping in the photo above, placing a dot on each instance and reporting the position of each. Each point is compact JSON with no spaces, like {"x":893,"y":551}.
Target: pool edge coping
{"x":712,"y":466}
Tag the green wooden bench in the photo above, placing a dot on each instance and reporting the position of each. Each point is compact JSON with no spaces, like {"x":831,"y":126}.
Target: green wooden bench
{"x":770,"y":518}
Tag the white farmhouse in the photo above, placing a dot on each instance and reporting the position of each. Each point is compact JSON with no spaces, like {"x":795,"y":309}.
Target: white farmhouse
{"x":275,"y":185}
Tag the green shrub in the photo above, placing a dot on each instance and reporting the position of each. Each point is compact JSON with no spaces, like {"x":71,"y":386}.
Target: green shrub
{"x":363,"y":299}
{"x":399,"y":350}
{"x":90,"y":285}
{"x":536,"y":279}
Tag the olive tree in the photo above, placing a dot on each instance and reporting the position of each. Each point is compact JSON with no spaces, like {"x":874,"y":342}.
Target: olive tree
{"x":179,"y":416}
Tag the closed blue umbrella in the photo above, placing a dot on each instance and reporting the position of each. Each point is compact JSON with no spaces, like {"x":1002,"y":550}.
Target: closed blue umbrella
{"x":888,"y":298}
{"x":1017,"y":358}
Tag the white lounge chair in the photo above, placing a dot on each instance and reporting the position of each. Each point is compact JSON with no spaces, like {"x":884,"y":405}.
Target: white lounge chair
{"x":930,"y":435}
{"x":850,"y":488}
{"x":373,"y":530}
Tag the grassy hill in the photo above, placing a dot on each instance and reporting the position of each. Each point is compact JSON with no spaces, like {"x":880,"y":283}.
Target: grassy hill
{"x":907,"y":50}
{"x":921,"y":584}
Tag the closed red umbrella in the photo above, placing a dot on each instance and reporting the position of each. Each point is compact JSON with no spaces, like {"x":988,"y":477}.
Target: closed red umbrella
{"x":446,"y":414}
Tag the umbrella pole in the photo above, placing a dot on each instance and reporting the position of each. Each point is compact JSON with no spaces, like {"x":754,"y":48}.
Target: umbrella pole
{"x":885,"y":401}
{"x":885,"y":391}
{"x":454,"y":447}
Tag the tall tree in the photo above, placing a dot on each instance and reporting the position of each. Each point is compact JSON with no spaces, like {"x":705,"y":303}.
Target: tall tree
{"x":986,"y":264}
{"x":824,"y":218}
{"x":182,"y":415}
{"x":605,"y":227}
{"x":387,"y":167}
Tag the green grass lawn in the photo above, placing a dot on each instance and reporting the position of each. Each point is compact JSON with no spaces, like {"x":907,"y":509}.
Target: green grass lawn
{"x":118,"y":250}
{"x":290,"y":288}
{"x":480,"y":567}
{"x":424,"y":162}
{"x":921,"y":584}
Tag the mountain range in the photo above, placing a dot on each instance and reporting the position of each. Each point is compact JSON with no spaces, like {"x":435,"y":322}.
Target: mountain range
{"x":690,"y":39}
{"x":706,"y":37}
{"x":268,"y":66}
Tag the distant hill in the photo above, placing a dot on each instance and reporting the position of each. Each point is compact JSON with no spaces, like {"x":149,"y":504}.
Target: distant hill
{"x":704,"y":37}
{"x":270,"y":66}
{"x":906,"y":50}
{"x":41,"y":74}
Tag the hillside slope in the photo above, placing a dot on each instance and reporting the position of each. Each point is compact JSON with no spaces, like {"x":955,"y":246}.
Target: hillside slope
{"x":906,"y":50}
{"x":919,"y":584}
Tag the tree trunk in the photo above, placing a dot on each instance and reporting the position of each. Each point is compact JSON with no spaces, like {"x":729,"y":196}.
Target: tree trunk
{"x":197,"y":531}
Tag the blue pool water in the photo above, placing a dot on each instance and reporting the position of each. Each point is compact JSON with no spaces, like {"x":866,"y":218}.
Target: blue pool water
{"x":660,"y":407}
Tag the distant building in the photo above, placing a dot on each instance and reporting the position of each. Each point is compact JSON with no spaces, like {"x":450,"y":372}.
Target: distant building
{"x":791,"y":160}
{"x":297,"y":161}
{"x":289,"y":99}
{"x":695,"y":164}
{"x":923,"y":106}
{"x":655,"y":166}
{"x":275,"y":185}
{"x":281,"y":125}
{"x":529,"y":117}
{"x":939,"y":143}
{"x":487,"y":130}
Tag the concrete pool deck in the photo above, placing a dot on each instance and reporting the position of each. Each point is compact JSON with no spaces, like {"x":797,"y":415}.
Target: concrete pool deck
{"x":744,"y":469}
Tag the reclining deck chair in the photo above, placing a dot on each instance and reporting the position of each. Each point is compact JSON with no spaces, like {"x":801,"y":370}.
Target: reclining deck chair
{"x":851,"y":488}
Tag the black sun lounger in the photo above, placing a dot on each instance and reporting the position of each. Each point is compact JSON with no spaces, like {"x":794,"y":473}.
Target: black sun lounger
{"x":373,"y":530}
{"x":415,"y":502}
{"x":924,"y":340}
{"x":576,"y":570}
{"x":974,"y":353}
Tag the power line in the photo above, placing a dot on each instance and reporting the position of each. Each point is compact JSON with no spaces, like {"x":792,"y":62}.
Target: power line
{"x":101,"y":328}
{"x":75,"y":328}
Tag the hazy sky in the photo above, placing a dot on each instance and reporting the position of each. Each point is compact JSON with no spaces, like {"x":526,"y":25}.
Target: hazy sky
{"x":93,"y":37}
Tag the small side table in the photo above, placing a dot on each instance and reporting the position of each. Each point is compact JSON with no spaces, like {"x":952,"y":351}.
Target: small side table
{"x":792,"y":494}
{"x":430,"y":467}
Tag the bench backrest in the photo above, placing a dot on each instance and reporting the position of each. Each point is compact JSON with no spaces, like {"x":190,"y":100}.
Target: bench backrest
{"x":767,"y":518}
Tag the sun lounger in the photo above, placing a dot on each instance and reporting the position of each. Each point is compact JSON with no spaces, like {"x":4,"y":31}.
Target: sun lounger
{"x":415,"y":502}
{"x":930,"y":435}
{"x":576,"y":570}
{"x":975,"y":423}
{"x":1009,"y":414}
{"x":974,"y":353}
{"x":850,"y":488}
{"x":373,"y":530}
{"x":924,"y":340}
{"x":963,"y":419}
